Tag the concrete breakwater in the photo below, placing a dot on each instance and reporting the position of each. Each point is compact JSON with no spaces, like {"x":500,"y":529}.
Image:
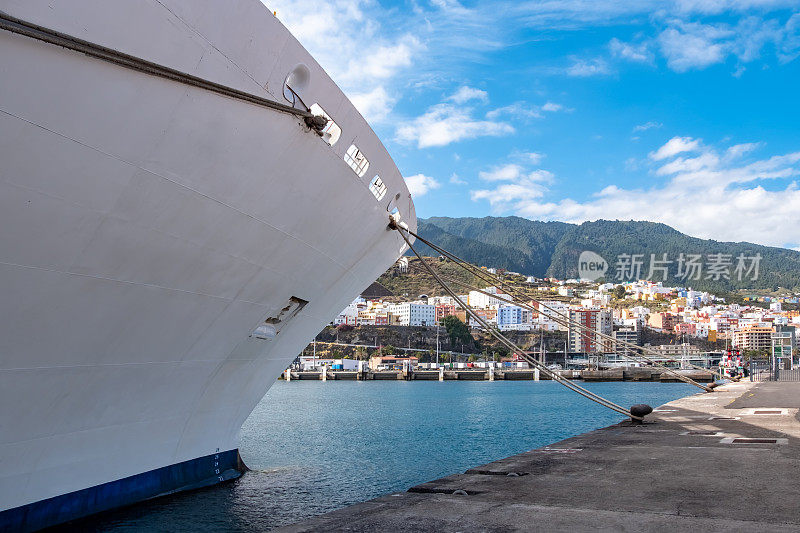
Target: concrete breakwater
{"x":482,"y":374}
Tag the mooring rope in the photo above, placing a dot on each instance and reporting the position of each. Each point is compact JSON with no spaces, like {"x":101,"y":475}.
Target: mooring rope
{"x":47,"y":35}
{"x":566,"y":320}
{"x":587,"y":332}
{"x":513,"y":347}
{"x":563,"y":319}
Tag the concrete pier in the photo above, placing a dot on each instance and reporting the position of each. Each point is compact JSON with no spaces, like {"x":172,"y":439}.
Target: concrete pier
{"x":727,"y":460}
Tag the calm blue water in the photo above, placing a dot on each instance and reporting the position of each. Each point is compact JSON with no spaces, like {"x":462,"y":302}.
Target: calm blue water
{"x":314,"y":447}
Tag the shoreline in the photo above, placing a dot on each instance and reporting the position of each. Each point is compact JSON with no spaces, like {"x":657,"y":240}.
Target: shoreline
{"x":632,"y":374}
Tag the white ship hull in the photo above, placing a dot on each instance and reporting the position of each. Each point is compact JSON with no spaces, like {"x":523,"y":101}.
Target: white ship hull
{"x":148,"y":228}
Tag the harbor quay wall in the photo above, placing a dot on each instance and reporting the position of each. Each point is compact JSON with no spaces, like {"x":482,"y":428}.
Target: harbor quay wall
{"x":481,"y":374}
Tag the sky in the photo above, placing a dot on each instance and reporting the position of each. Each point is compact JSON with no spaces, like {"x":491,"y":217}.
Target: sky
{"x":685,"y":112}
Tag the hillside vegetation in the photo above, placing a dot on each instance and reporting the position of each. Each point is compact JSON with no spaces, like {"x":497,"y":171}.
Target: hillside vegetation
{"x":418,"y":281}
{"x":552,"y":249}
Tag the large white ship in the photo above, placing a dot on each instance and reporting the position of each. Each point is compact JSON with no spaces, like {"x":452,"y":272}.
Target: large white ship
{"x":169,"y":241}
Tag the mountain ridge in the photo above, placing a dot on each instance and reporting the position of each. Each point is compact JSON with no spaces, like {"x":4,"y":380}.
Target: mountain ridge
{"x":540,"y":249}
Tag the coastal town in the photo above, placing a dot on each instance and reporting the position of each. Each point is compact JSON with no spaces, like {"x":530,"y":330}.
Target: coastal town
{"x":684,"y":326}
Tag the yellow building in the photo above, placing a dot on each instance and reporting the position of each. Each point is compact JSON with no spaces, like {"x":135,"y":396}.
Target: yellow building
{"x":753,"y":338}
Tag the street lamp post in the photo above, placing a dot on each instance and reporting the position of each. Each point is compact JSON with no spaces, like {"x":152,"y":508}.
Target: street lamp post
{"x":437,"y":345}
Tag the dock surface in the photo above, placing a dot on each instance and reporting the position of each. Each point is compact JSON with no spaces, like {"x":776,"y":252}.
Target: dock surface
{"x":727,"y":460}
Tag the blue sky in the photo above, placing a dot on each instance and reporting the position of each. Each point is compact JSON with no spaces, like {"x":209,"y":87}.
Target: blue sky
{"x":685,"y":112}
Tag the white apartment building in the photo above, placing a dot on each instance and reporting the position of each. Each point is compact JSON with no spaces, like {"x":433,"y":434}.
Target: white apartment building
{"x":701,"y":329}
{"x":482,"y":301}
{"x":553,"y":316}
{"x":414,"y":314}
{"x":565,"y":291}
{"x":781,"y":320}
{"x":596,"y":300}
{"x":349,"y":314}
{"x":441,"y":300}
{"x":513,"y":317}
{"x":697,"y":298}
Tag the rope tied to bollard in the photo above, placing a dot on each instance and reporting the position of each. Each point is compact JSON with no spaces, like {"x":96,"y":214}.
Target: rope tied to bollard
{"x":636,"y":417}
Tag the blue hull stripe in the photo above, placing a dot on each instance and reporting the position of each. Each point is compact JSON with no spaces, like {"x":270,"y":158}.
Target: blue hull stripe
{"x":192,"y":474}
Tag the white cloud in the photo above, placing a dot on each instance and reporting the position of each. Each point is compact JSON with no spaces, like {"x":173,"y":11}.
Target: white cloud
{"x":465,"y":94}
{"x":632,"y":52}
{"x":552,"y":107}
{"x":348,"y":40}
{"x":689,"y":165}
{"x":514,"y":172}
{"x":675,"y":146}
{"x":370,"y":48}
{"x":584,"y":68}
{"x":509,"y":194}
{"x":518,"y":185}
{"x":752,"y":34}
{"x":681,"y":35}
{"x":455,"y":180}
{"x":574,"y":14}
{"x":526,"y":110}
{"x":789,"y":48}
{"x":381,"y":62}
{"x":738,"y":150}
{"x":517,"y":109}
{"x":533,"y":158}
{"x":713,"y":7}
{"x":420,"y":184}
{"x":443,"y":124}
{"x":452,"y":7}
{"x":577,"y":14}
{"x":632,"y":164}
{"x":501,"y":173}
{"x":375,"y":105}
{"x":693,"y":46}
{"x":706,"y":195}
{"x":647,"y":126}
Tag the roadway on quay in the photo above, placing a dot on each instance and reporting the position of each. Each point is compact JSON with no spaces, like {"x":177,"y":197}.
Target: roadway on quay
{"x":723,"y":460}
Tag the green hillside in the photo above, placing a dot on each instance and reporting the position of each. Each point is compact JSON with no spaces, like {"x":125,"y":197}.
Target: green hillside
{"x":523,"y":245}
{"x":552,"y":249}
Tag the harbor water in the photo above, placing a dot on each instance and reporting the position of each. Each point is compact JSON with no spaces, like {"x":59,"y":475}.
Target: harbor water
{"x":314,"y":447}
